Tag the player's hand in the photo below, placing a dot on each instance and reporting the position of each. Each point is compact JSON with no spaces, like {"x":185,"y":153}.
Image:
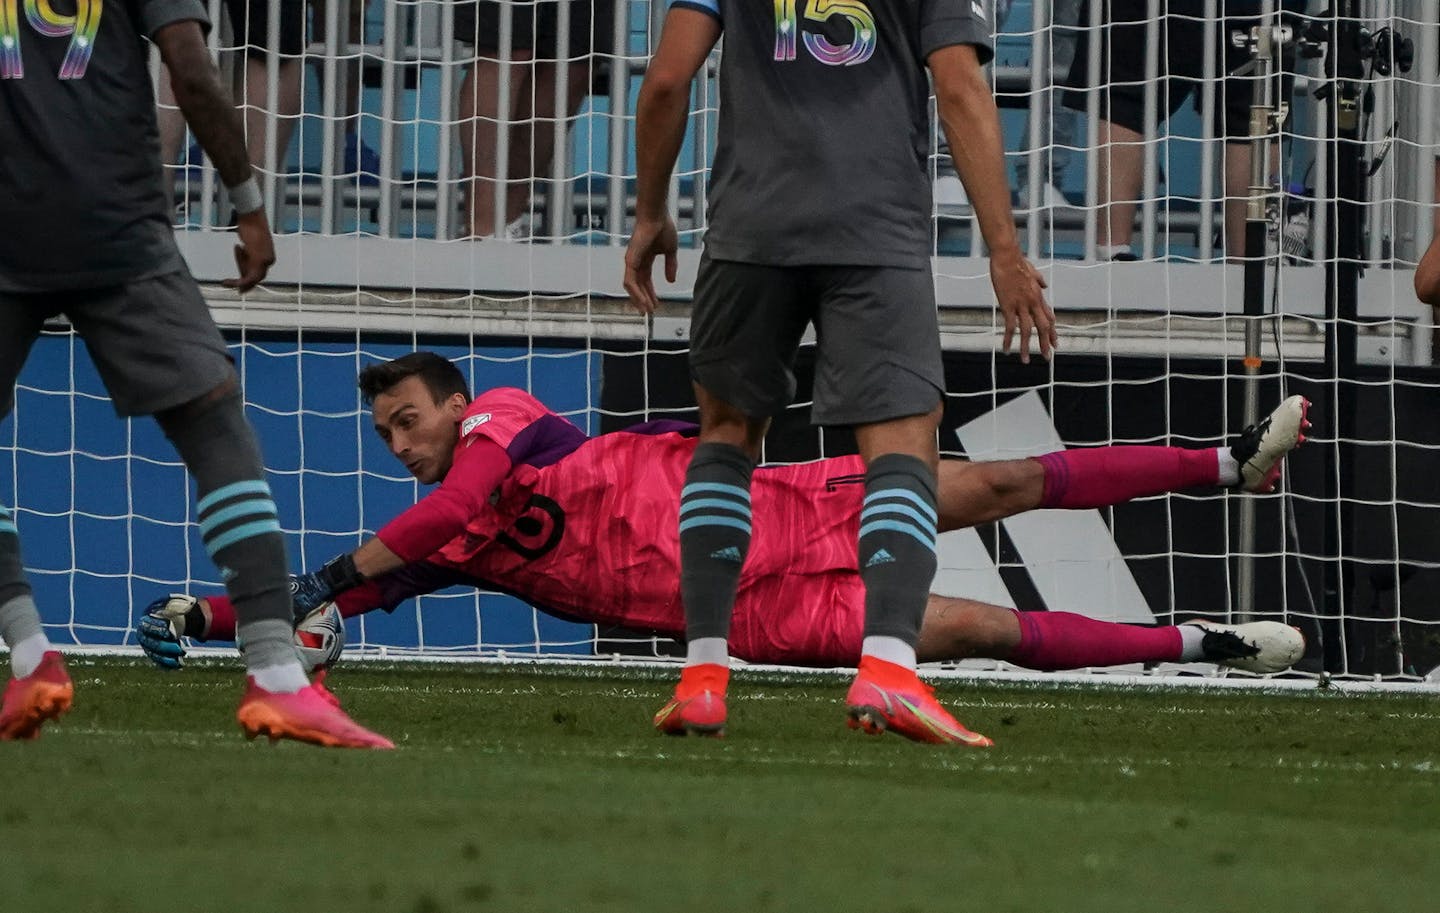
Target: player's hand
{"x":308,"y":592}
{"x":159,"y":630}
{"x":1020,"y":291}
{"x":651,"y":239}
{"x":255,"y":253}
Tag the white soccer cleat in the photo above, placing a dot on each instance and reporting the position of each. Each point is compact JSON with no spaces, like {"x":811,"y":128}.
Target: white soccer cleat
{"x":1260,"y":450}
{"x":1259,"y":646}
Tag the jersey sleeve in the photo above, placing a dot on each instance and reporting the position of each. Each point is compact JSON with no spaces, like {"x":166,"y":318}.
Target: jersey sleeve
{"x":443,"y":514}
{"x":521,"y":425}
{"x":156,"y":14}
{"x":501,"y":415}
{"x":710,"y":8}
{"x":949,"y":22}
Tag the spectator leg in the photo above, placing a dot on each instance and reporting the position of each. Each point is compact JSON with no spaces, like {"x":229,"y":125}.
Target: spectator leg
{"x":480,"y":112}
{"x":1120,"y":173}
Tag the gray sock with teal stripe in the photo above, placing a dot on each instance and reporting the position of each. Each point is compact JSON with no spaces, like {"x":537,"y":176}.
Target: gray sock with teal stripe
{"x":897,"y":545}
{"x":239,"y":526}
{"x":20,"y":627}
{"x":12,"y":570}
{"x":714,"y":536}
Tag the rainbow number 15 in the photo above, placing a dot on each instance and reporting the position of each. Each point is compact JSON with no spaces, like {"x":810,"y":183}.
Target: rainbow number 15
{"x":787,"y":26}
{"x":79,"y":28}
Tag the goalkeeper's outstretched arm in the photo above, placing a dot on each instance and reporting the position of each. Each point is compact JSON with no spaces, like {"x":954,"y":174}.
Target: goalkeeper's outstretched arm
{"x":212,"y":618}
{"x":419,"y":532}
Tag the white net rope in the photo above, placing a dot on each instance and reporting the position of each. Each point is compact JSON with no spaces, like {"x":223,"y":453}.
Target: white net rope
{"x":383,"y":134}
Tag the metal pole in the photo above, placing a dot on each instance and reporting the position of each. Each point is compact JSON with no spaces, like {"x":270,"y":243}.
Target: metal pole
{"x":502,"y":120}
{"x":1265,"y":43}
{"x":330,"y":106}
{"x":1041,"y":25}
{"x":557,"y":205}
{"x":1094,"y":48}
{"x":1342,"y":276}
{"x":444,"y":149}
{"x":1151,"y":130}
{"x":1211,"y":142}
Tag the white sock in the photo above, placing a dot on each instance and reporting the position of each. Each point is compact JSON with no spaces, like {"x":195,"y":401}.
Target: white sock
{"x":712,"y":650}
{"x":285,"y":678}
{"x":891,"y":649}
{"x":1229,"y":466}
{"x":1191,"y":636}
{"x":25,"y":656}
{"x":1108,"y":251}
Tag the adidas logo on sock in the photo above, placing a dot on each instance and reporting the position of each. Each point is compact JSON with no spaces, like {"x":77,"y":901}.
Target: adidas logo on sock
{"x":728,"y":553}
{"x":880,"y":557}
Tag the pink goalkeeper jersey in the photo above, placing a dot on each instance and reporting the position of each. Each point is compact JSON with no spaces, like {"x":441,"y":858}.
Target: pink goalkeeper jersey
{"x":587,"y":527}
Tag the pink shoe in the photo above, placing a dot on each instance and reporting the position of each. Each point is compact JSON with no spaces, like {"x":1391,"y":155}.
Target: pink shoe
{"x":42,"y":695}
{"x":317,"y":681}
{"x":698,"y":707}
{"x":305,"y":716}
{"x":886,"y":696}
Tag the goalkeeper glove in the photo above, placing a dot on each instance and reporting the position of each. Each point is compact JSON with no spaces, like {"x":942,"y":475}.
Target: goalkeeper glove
{"x":309,"y":592}
{"x":160,"y":628}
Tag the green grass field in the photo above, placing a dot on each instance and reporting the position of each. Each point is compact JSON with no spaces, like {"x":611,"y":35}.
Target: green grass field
{"x":522,"y":789}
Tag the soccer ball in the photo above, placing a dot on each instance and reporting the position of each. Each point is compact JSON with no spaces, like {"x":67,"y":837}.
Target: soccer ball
{"x":319,"y":637}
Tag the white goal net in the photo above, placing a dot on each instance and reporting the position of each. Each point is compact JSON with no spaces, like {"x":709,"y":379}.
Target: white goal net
{"x":410,"y":115}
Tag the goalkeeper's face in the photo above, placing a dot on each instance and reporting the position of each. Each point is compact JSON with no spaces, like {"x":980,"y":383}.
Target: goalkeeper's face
{"x":420,"y":432}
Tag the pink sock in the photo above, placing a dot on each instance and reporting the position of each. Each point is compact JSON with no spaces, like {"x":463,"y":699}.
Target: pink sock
{"x":1064,"y":640}
{"x":1102,"y":476}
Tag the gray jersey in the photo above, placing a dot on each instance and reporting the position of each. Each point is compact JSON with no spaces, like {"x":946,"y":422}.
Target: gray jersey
{"x":824,"y":130}
{"x":82,"y":204}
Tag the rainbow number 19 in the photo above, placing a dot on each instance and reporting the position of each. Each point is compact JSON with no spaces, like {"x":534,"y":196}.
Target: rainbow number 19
{"x":79,"y":28}
{"x":787,"y":26}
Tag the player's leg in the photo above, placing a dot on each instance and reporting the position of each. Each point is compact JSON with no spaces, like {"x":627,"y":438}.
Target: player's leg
{"x":746,"y":324}
{"x":39,"y":688}
{"x":957,"y":628}
{"x":1090,"y":477}
{"x":160,"y":354}
{"x":878,"y":370}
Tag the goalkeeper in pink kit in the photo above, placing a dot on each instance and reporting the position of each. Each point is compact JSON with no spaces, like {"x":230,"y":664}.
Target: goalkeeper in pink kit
{"x":584,"y":528}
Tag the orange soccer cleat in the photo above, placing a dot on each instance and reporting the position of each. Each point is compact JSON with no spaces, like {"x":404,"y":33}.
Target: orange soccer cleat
{"x":887,"y":696}
{"x":698,"y":707}
{"x":42,"y":695}
{"x":305,"y":716}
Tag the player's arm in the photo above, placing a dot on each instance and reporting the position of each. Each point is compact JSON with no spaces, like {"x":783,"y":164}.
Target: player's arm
{"x":972,"y":128}
{"x":661,"y":113}
{"x":1427,"y":275}
{"x":422,"y":530}
{"x":216,"y":124}
{"x":212,"y":618}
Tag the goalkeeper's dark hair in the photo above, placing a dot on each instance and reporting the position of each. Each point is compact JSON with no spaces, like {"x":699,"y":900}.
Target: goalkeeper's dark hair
{"x":436,"y":371}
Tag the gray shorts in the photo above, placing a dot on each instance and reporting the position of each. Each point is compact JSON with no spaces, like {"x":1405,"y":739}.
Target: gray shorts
{"x":877,"y":336}
{"x":152,"y":340}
